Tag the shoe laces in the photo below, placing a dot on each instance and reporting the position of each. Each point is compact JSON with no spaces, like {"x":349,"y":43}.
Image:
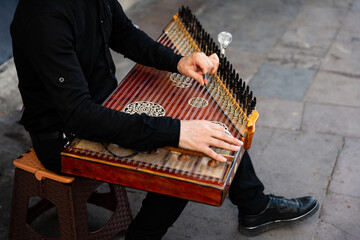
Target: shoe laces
{"x":281,"y":201}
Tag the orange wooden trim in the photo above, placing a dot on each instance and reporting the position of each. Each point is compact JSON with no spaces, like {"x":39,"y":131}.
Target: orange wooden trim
{"x":253,"y":118}
{"x":40,"y":174}
{"x":23,"y":166}
{"x":30,"y":163}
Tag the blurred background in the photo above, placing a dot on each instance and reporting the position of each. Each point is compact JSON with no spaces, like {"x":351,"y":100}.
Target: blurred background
{"x":302,"y":60}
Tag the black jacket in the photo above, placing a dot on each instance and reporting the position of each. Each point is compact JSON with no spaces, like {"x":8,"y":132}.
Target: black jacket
{"x":65,"y":71}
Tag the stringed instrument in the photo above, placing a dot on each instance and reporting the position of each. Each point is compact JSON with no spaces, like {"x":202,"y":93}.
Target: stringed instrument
{"x":226,"y":100}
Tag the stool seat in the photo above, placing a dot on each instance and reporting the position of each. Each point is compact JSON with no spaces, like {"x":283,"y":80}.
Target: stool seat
{"x":30,"y":163}
{"x":70,"y":196}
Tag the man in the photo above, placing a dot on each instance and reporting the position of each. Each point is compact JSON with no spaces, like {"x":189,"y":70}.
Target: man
{"x":65,"y":70}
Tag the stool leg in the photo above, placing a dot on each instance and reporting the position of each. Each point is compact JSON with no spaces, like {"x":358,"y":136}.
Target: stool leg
{"x":25,"y":186}
{"x":83,"y":188}
{"x":70,"y":201}
{"x":123,"y":209}
{"x":61,"y":195}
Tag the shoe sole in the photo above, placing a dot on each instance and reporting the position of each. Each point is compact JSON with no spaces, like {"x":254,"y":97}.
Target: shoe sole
{"x":254,"y":231}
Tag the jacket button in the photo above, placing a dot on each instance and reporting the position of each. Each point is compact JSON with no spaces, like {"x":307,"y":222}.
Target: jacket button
{"x":61,"y":79}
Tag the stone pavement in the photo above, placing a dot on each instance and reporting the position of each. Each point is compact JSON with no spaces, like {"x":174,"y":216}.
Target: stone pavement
{"x":302,"y":59}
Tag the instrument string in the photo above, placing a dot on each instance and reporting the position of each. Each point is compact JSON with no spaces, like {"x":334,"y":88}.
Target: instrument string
{"x":169,"y":89}
{"x":186,"y":94}
{"x":130,"y":83}
{"x":165,"y":41}
{"x":156,"y":91}
{"x":133,"y":80}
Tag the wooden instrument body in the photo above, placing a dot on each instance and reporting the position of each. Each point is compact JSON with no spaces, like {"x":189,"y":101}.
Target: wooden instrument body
{"x":154,"y":175}
{"x":160,"y":93}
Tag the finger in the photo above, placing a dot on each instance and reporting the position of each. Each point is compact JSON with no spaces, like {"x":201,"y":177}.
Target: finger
{"x":205,"y":81}
{"x":226,"y":137}
{"x":208,"y":151}
{"x":202,"y":63}
{"x":224,"y":145}
{"x":209,"y":63}
{"x":214,"y":57}
{"x":215,"y":61}
{"x":197,"y":76}
{"x":216,"y":126}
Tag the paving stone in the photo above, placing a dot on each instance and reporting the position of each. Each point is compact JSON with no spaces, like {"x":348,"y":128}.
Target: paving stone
{"x":127,"y":4}
{"x":315,"y":39}
{"x":302,"y":46}
{"x":298,"y":163}
{"x":281,"y":82}
{"x":325,"y":16}
{"x":198,"y":227}
{"x":135,"y":199}
{"x":329,"y":3}
{"x":295,"y":58}
{"x":9,"y":94}
{"x":326,"y":231}
{"x":342,"y":212}
{"x":260,"y":30}
{"x":152,"y":20}
{"x":325,"y":118}
{"x":123,"y":65}
{"x":344,"y":55}
{"x":347,"y":169}
{"x":258,"y":36}
{"x":225,"y":16}
{"x":278,"y":113}
{"x":335,"y":89}
{"x":351,"y":22}
{"x":260,"y":141}
{"x":356,"y":5}
{"x":245,"y":63}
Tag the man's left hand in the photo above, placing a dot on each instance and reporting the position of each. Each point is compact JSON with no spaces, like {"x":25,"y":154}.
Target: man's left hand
{"x":197,"y":64}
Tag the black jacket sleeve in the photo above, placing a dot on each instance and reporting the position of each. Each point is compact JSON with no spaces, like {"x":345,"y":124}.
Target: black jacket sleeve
{"x":51,"y":52}
{"x":137,"y":45}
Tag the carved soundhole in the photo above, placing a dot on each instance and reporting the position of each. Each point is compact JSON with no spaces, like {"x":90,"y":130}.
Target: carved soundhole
{"x":149,"y":108}
{"x":180,"y":81}
{"x":198,"y":102}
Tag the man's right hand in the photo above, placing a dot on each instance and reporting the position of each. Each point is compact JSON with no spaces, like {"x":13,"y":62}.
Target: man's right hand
{"x":199,"y":135}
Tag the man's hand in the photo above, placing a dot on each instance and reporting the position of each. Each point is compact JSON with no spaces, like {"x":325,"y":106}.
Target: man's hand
{"x":199,"y":135}
{"x":197,"y":64}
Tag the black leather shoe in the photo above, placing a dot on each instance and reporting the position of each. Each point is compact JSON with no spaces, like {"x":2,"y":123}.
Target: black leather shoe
{"x":278,"y":212}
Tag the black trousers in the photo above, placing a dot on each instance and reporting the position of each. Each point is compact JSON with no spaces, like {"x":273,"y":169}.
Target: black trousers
{"x":159,"y":212}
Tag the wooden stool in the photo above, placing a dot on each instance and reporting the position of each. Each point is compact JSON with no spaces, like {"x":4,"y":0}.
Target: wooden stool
{"x":69,"y":195}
